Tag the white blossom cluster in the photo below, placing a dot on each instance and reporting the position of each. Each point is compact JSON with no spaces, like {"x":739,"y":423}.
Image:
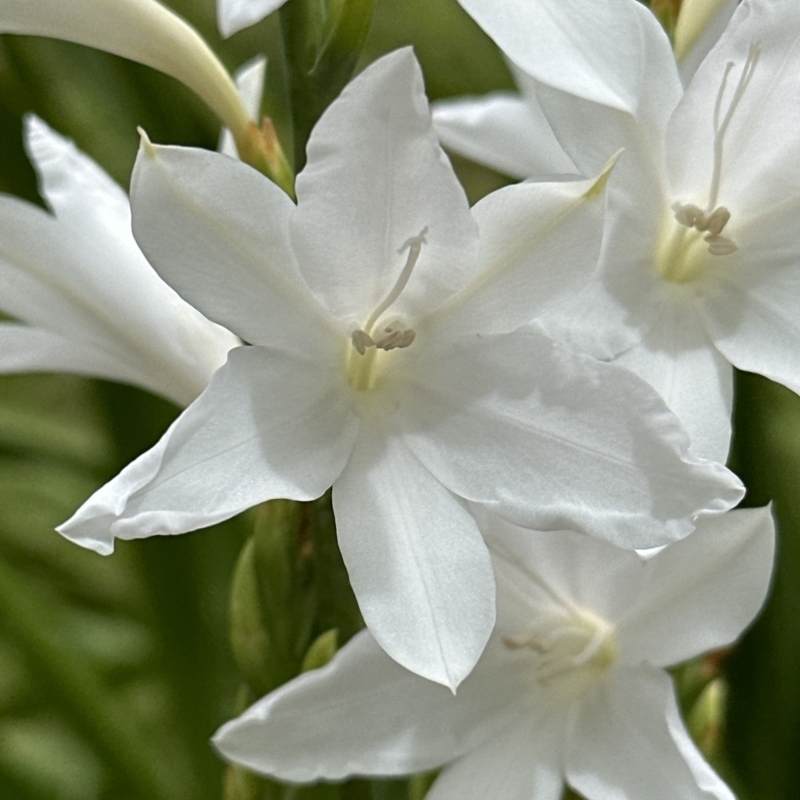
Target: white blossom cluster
{"x":508,"y":401}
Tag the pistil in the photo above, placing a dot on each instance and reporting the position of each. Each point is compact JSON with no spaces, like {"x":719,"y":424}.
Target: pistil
{"x":367,"y":341}
{"x":679,"y":252}
{"x":575,"y":646}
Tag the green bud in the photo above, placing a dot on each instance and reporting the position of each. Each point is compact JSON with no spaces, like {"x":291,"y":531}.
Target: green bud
{"x":707,"y":719}
{"x":322,"y":650}
{"x":250,"y":642}
{"x":323,"y":42}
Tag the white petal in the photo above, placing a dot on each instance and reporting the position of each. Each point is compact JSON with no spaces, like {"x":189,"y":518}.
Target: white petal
{"x":142,"y":30}
{"x":617,"y":55}
{"x":503,"y":131}
{"x":521,"y":763}
{"x":620,"y":303}
{"x":751,"y":311}
{"x":416,"y":560}
{"x":26,"y":349}
{"x":217,"y":231}
{"x":700,"y":24}
{"x":268,"y":426}
{"x":376,"y":176}
{"x":249,"y":79}
{"x":363,"y":714}
{"x":82,"y":276}
{"x":535,"y":568}
{"x":678,"y":359}
{"x":556,"y":440}
{"x":628,"y":742}
{"x":77,"y":190}
{"x":539,"y":244}
{"x":703,"y":591}
{"x":753,"y":177}
{"x":233,"y":15}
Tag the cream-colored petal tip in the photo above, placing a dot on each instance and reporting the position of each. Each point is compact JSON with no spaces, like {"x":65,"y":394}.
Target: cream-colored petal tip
{"x":599,"y":186}
{"x":145,"y":143}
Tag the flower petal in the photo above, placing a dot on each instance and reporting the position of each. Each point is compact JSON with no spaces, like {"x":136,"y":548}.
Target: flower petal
{"x":552,"y":439}
{"x":376,"y":176}
{"x":751,"y":312}
{"x":539,"y":244}
{"x":535,"y":570}
{"x":217,"y":231}
{"x":521,"y":763}
{"x":267,"y":426}
{"x":416,"y":560}
{"x":81,"y":275}
{"x":503,"y":131}
{"x":249,"y":79}
{"x":142,"y":30}
{"x":27,"y":349}
{"x":702,"y":592}
{"x":364,"y":714}
{"x":617,"y":55}
{"x":677,"y":358}
{"x":77,"y":190}
{"x":627,"y":741}
{"x":233,"y":15}
{"x":620,"y":302}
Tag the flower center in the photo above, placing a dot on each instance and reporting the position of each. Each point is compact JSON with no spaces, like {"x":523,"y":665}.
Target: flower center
{"x":575,"y":645}
{"x":681,"y":250}
{"x":364,"y":358}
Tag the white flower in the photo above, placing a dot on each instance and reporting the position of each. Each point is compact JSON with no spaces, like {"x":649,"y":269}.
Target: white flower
{"x":700,"y":262}
{"x":89,"y":301}
{"x":571,"y":686}
{"x":382,"y":364}
{"x":143,"y":31}
{"x":233,"y":15}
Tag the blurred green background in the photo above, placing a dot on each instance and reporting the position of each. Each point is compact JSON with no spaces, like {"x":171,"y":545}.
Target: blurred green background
{"x":115,"y":671}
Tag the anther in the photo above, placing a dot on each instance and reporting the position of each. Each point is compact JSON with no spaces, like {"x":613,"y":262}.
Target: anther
{"x":690,"y":216}
{"x":717,"y":221}
{"x":720,"y":245}
{"x":361,"y":341}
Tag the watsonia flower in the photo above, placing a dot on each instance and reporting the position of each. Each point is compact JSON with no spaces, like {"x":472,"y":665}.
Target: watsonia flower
{"x":386,"y":362}
{"x":571,"y":688}
{"x":699,"y":269}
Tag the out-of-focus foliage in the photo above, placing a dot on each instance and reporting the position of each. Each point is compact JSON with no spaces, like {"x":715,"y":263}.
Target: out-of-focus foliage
{"x":115,"y":671}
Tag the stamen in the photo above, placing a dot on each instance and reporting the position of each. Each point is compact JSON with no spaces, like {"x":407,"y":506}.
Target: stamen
{"x":720,"y":245}
{"x":414,"y":247}
{"x":361,"y":341}
{"x":690,"y":216}
{"x":395,"y":337}
{"x":717,"y":221}
{"x":720,"y":128}
{"x":575,"y":643}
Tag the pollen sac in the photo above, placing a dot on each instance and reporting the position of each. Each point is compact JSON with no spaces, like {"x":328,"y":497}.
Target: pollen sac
{"x":717,"y":221}
{"x":395,"y":335}
{"x":361,"y":341}
{"x":720,"y":245}
{"x":691,"y":216}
